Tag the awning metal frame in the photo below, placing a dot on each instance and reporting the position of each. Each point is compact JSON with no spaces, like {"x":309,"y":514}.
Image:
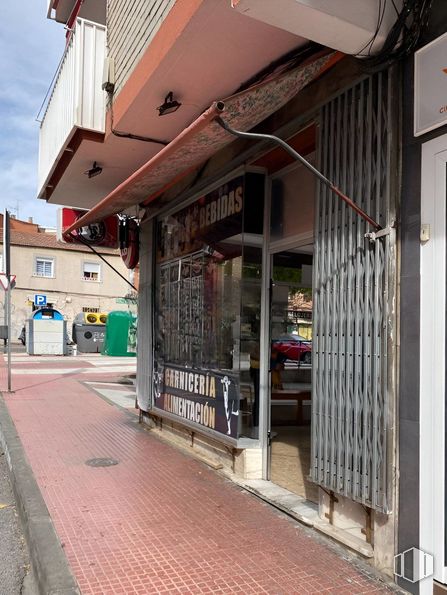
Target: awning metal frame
{"x":204,"y":137}
{"x":310,"y":167}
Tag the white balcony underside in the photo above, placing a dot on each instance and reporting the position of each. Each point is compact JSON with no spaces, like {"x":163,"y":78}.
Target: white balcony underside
{"x":350,"y":26}
{"x":77,"y":100}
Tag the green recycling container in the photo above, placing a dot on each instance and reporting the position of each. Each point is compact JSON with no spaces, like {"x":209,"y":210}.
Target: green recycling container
{"x":121,"y":334}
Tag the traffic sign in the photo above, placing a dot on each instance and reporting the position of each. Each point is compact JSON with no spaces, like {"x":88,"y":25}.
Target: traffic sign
{"x":40,"y":299}
{"x":4,"y":281}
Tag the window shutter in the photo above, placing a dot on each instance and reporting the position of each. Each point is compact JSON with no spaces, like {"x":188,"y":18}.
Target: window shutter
{"x":91,"y":271}
{"x":91,"y":267}
{"x":353,"y":290}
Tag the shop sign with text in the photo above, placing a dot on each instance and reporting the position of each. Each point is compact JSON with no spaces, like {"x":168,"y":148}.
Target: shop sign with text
{"x":210,"y":219}
{"x":208,"y":398}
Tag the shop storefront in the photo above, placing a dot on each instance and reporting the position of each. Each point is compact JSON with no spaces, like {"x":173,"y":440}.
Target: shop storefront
{"x":225,"y":372}
{"x":292,"y":321}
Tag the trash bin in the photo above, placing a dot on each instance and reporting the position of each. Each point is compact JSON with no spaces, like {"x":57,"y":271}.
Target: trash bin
{"x":88,"y":331}
{"x":46,"y":333}
{"x":121,"y":334}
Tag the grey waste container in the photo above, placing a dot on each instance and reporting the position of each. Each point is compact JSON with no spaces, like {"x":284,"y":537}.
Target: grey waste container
{"x":46,"y":333}
{"x":89,"y":331}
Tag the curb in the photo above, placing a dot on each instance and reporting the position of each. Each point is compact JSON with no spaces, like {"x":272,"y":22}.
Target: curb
{"x":49,"y":563}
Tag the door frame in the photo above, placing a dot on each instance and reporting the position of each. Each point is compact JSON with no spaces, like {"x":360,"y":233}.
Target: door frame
{"x":432,"y":391}
{"x":264,"y":373}
{"x":269,"y":249}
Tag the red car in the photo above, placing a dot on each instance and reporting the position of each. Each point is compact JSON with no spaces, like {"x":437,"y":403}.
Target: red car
{"x":294,"y":347}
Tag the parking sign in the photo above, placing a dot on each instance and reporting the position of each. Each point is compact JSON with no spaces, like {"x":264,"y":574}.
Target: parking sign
{"x":40,"y":299}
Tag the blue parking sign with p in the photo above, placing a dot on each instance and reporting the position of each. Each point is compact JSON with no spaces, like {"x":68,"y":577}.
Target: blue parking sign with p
{"x":40,"y":299}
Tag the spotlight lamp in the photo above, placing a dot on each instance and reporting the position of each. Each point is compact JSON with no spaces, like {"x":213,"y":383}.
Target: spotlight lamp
{"x":169,"y":106}
{"x":93,"y":171}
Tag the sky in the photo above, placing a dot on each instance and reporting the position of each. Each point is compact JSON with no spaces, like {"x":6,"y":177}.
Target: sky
{"x":31,"y":47}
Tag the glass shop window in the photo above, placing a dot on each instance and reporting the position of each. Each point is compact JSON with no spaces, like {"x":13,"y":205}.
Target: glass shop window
{"x":208,"y":300}
{"x":293,"y":202}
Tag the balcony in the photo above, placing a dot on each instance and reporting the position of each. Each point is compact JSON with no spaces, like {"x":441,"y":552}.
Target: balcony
{"x":77,"y":101}
{"x":191,"y":48}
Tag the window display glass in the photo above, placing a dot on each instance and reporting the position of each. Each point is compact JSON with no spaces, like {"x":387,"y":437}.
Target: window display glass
{"x":296,"y":186}
{"x":208,"y":288}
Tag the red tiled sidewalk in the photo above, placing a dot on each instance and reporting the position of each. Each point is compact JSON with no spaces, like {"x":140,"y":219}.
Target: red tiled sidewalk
{"x":159,"y":521}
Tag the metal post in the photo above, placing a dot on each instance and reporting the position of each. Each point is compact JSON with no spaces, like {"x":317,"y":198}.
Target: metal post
{"x":7,"y":266}
{"x":8,"y":301}
{"x":264,"y":355}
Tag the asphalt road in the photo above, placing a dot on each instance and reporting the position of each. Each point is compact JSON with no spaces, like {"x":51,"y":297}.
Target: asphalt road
{"x":14,"y":562}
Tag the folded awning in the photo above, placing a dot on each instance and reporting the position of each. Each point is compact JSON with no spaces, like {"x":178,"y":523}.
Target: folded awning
{"x":204,"y":137}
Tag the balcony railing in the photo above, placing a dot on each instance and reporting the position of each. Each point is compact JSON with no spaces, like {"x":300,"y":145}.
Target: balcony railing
{"x":77,"y":99}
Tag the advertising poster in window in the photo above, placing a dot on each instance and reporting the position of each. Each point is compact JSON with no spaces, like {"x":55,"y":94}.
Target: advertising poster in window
{"x":209,"y":398}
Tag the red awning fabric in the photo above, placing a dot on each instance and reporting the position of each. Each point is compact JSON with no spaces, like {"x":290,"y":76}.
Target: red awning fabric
{"x":204,"y":137}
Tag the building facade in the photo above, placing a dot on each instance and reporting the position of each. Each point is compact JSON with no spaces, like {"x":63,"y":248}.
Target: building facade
{"x":71,"y":277}
{"x":422,"y":362}
{"x":233,"y":228}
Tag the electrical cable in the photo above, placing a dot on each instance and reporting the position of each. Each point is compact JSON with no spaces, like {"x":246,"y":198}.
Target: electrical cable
{"x":395,"y":7}
{"x":110,"y":94}
{"x":146,"y":139}
{"x":380,"y":15}
{"x":81,"y":239}
{"x":403,"y":36}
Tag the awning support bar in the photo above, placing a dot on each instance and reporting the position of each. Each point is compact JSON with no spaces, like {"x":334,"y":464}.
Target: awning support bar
{"x":298,"y":157}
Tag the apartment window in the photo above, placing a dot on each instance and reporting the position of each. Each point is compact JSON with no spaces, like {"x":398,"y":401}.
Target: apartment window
{"x":44,"y":267}
{"x":91,"y":271}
